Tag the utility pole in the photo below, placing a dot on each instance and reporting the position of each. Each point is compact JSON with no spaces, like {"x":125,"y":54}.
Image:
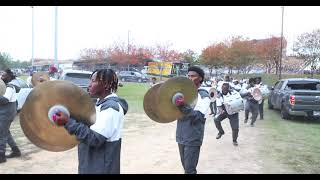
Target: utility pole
{"x":128,"y":49}
{"x":32,"y":43}
{"x":280,"y":68}
{"x":56,"y":39}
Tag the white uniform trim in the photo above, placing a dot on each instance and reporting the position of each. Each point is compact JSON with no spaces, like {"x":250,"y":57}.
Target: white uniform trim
{"x":233,"y":93}
{"x":202,"y":104}
{"x":10,"y":94}
{"x":109,"y":122}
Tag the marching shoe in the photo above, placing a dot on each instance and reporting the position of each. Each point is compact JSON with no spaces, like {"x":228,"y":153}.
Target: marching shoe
{"x":219,"y":135}
{"x":15,"y":153}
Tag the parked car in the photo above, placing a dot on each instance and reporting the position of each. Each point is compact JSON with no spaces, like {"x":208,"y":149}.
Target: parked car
{"x":23,"y":93}
{"x":296,"y":97}
{"x":132,"y":76}
{"x":79,"y":78}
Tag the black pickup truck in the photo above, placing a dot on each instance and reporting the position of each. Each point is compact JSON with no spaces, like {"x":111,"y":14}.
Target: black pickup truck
{"x":296,"y":97}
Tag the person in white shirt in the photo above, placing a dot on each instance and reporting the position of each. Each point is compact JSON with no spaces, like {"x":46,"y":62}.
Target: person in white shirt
{"x":190,"y":128}
{"x":8,"y":111}
{"x":100,"y":144}
{"x":222,"y":114}
{"x":226,"y":80}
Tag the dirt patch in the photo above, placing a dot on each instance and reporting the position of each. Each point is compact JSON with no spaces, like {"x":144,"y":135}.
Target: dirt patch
{"x":150,"y":147}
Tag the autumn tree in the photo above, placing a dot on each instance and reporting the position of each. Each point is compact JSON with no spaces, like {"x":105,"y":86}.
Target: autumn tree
{"x":163,"y":53}
{"x":307,"y":47}
{"x":268,"y":51}
{"x":241,"y":55}
{"x":214,"y":56}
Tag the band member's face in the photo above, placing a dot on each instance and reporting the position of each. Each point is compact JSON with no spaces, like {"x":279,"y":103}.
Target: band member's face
{"x":5,"y":77}
{"x":225,"y":89}
{"x":96,"y":87}
{"x":194,"y":76}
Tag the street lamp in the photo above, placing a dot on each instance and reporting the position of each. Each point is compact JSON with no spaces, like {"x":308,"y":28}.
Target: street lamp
{"x":281,"y":44}
{"x":128,"y":49}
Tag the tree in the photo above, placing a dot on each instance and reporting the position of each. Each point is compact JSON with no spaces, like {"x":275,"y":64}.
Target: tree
{"x":268,"y":51}
{"x":190,"y":57}
{"x":307,"y":47}
{"x":241,"y":54}
{"x":163,"y":53}
{"x":5,"y":59}
{"x":214,"y":56}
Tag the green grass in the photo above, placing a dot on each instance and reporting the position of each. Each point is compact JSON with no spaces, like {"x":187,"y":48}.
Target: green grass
{"x":24,"y":77}
{"x":134,"y":94}
{"x":293,"y":143}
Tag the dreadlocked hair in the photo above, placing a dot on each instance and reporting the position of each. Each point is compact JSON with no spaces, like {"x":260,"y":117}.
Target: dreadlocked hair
{"x":107,"y":76}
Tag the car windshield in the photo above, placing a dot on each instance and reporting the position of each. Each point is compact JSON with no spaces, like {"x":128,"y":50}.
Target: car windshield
{"x":78,"y":78}
{"x":309,"y":85}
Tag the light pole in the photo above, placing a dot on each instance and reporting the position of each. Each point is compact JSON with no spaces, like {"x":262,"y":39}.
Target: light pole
{"x":128,"y":49}
{"x":32,"y":43}
{"x":280,"y":68}
{"x":56,"y":39}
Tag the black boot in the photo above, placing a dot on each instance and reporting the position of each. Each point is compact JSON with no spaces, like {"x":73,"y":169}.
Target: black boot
{"x":15,"y":152}
{"x":2,"y":158}
{"x":235,"y":136}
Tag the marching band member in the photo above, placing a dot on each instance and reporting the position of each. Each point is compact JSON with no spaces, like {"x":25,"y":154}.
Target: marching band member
{"x":259,"y":84}
{"x":222,"y":114}
{"x":251,"y":104}
{"x":190,"y":128}
{"x":8,"y":111}
{"x":226,"y":80}
{"x":100,"y":144}
{"x":236,"y":85}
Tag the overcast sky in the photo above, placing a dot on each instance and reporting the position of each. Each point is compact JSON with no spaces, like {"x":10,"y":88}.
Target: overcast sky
{"x":190,"y":27}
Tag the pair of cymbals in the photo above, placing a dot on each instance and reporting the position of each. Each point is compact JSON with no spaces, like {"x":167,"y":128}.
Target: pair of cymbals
{"x":3,"y":87}
{"x":158,"y":104}
{"x":34,"y":118}
{"x":39,"y":77}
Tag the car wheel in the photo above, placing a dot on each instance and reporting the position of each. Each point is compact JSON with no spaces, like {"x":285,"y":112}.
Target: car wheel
{"x":284,"y":113}
{"x":123,"y":79}
{"x":139,"y":80}
{"x":270,"y":106}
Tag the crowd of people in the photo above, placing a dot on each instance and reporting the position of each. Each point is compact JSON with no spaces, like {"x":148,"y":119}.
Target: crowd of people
{"x":100,"y":144}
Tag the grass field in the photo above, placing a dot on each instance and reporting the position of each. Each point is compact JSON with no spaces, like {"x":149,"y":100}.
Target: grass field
{"x":294,"y":143}
{"x":134,"y":94}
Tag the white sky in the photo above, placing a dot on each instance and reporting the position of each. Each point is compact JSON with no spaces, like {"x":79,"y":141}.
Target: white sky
{"x":185,"y":27}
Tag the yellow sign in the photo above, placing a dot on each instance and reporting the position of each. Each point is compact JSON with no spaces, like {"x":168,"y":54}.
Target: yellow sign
{"x":156,"y":67}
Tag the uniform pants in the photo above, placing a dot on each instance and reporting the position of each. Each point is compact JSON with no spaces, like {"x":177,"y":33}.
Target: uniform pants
{"x":261,"y":109}
{"x":234,"y":123}
{"x":254,"y":109}
{"x":5,"y":136}
{"x":189,"y":156}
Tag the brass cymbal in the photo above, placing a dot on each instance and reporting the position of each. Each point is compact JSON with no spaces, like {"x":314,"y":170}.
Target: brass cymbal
{"x":166,"y":110}
{"x":34,"y":114}
{"x":150,"y":103}
{"x":39,"y":77}
{"x":3,"y":87}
